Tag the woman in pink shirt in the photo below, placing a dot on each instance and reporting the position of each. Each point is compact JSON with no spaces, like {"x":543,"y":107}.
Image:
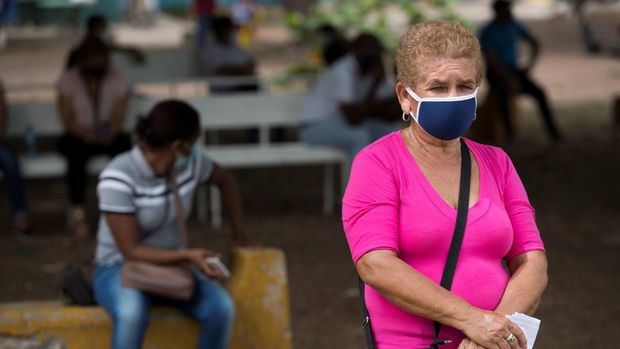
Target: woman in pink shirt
{"x":399,"y":211}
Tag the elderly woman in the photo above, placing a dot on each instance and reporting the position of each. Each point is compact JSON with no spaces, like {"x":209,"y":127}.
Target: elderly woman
{"x":400,"y":208}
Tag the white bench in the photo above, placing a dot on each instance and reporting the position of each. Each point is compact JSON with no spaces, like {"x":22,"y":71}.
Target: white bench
{"x":263,"y":111}
{"x":217,"y":112}
{"x":42,"y":116}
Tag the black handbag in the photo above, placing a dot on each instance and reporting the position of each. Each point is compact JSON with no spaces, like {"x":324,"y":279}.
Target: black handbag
{"x":76,"y":287}
{"x":453,"y":254}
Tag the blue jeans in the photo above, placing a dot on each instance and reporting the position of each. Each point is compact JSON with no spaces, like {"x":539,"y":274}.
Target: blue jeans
{"x":129,"y":309}
{"x":339,"y":134}
{"x":9,"y":165}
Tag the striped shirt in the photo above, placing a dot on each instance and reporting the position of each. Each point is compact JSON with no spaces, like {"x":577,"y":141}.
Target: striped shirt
{"x":128,"y":185}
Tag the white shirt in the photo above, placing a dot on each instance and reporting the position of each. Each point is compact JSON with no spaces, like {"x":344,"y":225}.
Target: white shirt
{"x":340,"y":84}
{"x":215,"y":55}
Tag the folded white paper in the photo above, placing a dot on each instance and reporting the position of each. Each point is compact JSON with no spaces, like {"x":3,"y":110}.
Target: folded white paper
{"x":529,"y":325}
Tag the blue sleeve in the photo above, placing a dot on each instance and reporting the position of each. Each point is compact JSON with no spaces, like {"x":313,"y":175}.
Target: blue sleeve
{"x":483,"y":38}
{"x":522,"y":31}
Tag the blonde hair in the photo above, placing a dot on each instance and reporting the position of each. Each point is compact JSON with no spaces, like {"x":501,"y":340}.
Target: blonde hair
{"x":428,"y":41}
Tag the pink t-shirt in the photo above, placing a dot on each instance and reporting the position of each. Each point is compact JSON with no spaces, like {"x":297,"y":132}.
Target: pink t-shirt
{"x":72,"y":86}
{"x":390,"y":205}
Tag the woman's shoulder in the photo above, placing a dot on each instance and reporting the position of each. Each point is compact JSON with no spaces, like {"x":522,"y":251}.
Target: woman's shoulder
{"x":384,"y":151}
{"x":384,"y":147}
{"x":68,"y":79}
{"x":120,"y":168}
{"x":494,"y":157}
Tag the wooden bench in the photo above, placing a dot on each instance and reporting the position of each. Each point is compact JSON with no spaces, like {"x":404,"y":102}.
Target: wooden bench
{"x":258,"y":285}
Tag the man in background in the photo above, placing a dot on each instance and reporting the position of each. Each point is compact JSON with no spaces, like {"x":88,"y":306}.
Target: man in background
{"x":499,"y":42}
{"x":353,"y":102}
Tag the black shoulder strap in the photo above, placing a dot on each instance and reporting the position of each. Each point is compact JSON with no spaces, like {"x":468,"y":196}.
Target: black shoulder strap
{"x":370,"y":338}
{"x":453,"y":254}
{"x":459,"y":231}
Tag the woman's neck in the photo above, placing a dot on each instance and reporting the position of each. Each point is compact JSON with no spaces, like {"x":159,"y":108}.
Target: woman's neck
{"x":160,"y":161}
{"x":431,"y":148}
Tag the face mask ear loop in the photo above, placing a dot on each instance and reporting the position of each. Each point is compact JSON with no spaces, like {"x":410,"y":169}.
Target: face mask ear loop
{"x":476,"y":107}
{"x":417,"y":99}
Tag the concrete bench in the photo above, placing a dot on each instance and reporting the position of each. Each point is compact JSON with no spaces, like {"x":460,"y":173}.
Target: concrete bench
{"x":258,"y":286}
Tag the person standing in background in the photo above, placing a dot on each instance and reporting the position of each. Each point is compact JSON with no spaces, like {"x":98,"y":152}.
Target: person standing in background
{"x":92,"y":101}
{"x":499,"y":42}
{"x":205,"y":10}
{"x":9,"y":165}
{"x":7,"y":14}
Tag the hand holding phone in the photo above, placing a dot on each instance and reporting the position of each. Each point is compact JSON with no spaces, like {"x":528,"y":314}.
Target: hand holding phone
{"x":216,"y":263}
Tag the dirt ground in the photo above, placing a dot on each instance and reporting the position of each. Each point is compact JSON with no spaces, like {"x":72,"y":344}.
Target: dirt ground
{"x":573,"y":186}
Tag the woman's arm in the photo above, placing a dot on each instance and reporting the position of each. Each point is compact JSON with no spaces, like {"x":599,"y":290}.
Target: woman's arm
{"x":117,"y":118}
{"x":416,"y":294}
{"x":526,"y":285}
{"x":231,"y":200}
{"x":68,"y":121}
{"x":125,"y":231}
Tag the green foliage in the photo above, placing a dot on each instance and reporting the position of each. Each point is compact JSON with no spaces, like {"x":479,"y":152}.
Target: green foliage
{"x":387,"y":19}
{"x":357,"y":16}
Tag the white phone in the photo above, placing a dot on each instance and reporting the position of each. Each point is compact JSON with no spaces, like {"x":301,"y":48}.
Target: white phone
{"x":217,"y":264}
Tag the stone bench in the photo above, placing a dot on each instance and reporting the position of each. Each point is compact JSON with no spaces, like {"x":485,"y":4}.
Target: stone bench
{"x":258,"y":286}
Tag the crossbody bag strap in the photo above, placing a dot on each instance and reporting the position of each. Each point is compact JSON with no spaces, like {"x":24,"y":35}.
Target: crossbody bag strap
{"x":459,"y":231}
{"x":453,"y":254}
{"x":178,"y":208}
{"x":370,"y":338}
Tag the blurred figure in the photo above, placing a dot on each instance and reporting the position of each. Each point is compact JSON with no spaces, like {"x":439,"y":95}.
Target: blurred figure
{"x":9,"y":165}
{"x":499,"y":40}
{"x":97,"y":28}
{"x":333,"y":45}
{"x":353,"y":102}
{"x":151,"y":231}
{"x":221,"y":56}
{"x":242,"y":13}
{"x":7,"y":14}
{"x":143,"y":12}
{"x":92,"y":101}
{"x":204,"y":10}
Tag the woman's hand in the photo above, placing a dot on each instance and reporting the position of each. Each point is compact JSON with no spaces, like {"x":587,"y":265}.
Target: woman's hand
{"x":469,"y":344}
{"x":491,"y":330}
{"x":198,"y":257}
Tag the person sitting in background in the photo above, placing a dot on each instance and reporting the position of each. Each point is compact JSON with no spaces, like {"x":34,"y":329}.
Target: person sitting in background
{"x":333,"y":45}
{"x":353,"y":102}
{"x":139,"y":222}
{"x":9,"y":165}
{"x":92,"y":102}
{"x":221,"y":56}
{"x":97,"y":28}
{"x":499,"y":42}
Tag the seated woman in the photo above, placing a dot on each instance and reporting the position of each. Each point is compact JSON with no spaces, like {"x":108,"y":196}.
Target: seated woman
{"x":138,"y":202}
{"x":92,"y":102}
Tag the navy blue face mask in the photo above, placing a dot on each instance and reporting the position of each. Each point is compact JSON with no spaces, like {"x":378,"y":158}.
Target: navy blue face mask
{"x":445,"y":118}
